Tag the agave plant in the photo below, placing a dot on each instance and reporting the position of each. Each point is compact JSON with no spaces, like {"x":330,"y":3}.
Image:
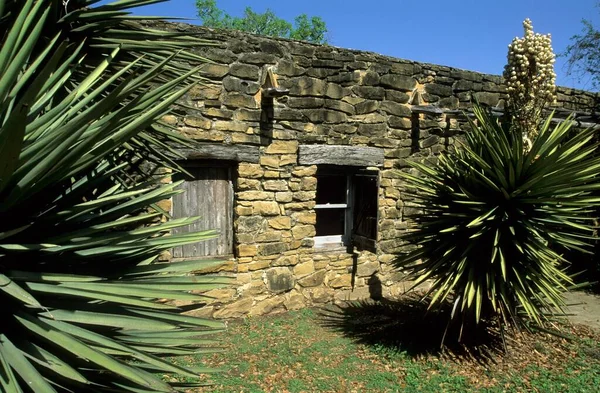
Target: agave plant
{"x":495,"y":217}
{"x":84,"y":301}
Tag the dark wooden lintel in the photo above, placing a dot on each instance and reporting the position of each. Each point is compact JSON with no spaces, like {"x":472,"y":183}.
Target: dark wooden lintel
{"x":218,"y":151}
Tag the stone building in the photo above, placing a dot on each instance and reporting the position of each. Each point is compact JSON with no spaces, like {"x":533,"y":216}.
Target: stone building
{"x":295,"y":164}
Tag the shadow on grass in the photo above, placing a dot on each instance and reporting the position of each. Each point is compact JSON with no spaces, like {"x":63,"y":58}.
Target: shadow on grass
{"x":407,"y":326}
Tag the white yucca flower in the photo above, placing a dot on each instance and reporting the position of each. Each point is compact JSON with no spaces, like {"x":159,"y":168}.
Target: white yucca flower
{"x":530,"y":79}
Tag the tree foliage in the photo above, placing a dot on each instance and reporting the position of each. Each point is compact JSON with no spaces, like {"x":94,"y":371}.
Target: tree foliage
{"x":312,"y":29}
{"x":82,"y":92}
{"x":583,"y":55}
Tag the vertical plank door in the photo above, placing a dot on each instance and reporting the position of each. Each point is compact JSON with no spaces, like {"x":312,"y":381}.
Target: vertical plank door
{"x":208,"y":194}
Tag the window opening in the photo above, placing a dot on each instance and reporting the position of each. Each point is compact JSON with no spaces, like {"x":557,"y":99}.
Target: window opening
{"x":346,"y":207}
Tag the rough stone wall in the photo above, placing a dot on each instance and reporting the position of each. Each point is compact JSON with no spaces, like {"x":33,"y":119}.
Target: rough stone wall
{"x":336,"y":97}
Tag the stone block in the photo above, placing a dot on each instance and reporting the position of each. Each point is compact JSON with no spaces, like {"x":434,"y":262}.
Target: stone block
{"x":272,"y":248}
{"x":205,"y":92}
{"x":339,"y":105}
{"x":308,"y":184}
{"x":243,"y":210}
{"x":221,"y":295}
{"x":247,"y":250}
{"x":397,"y":96}
{"x":341,"y":281}
{"x":270,"y":161}
{"x":245,"y":138}
{"x":449,"y":102}
{"x":402,"y":123}
{"x":303,"y":231}
{"x":325,"y":116}
{"x":306,"y":218}
{"x":396,"y":109}
{"x":302,"y":269}
{"x":239,"y":100}
{"x":282,"y":147}
{"x":258,"y":265}
{"x":283,"y":197}
{"x":398,"y":82}
{"x":286,"y":260}
{"x":265,"y":208}
{"x":294,"y":301}
{"x":313,"y":280}
{"x":250,"y":224}
{"x":367,"y":106}
{"x":367,"y":269}
{"x":258,"y":58}
{"x":486,"y":98}
{"x":304,"y":195}
{"x":279,"y":279}
{"x":197,"y":122}
{"x":305,"y":86}
{"x":303,"y":171}
{"x":320,"y":73}
{"x":321,"y":295}
{"x":269,"y":236}
{"x":218,"y":113}
{"x":352,"y":294}
{"x":405,"y":68}
{"x":438,"y":89}
{"x":287,"y":159}
{"x":305,"y":102}
{"x":336,"y":91}
{"x":267,"y":306}
{"x":283,"y":222}
{"x":254,"y":195}
{"x":275,"y":185}
{"x":248,"y":184}
{"x":214,"y":71}
{"x":234,"y":310}
{"x":289,"y":68}
{"x":430,"y":141}
{"x":252,"y":171}
{"x":231,"y":83}
{"x":372,"y":130}
{"x":245,"y":71}
{"x":369,"y":78}
{"x":243,"y":114}
{"x":370,"y":92}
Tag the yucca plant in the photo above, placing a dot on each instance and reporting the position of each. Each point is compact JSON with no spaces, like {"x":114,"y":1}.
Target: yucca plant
{"x":84,"y":301}
{"x":495,"y":219}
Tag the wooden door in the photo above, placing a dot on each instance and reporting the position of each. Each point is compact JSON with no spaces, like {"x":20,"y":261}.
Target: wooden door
{"x":208,"y":194}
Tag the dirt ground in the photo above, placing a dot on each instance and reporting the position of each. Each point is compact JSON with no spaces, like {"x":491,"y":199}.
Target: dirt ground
{"x":583,"y":308}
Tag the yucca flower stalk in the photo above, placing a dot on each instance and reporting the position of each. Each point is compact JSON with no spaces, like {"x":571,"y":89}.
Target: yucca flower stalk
{"x":85,"y":304}
{"x":494,"y":218}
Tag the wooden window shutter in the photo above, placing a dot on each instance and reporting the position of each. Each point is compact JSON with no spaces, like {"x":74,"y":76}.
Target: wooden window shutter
{"x":365,"y":187}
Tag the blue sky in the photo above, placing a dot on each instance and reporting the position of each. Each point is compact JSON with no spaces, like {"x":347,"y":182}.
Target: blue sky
{"x":468,"y":34}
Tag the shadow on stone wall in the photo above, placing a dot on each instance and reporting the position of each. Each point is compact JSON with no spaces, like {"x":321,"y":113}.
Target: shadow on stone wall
{"x":408,"y":326}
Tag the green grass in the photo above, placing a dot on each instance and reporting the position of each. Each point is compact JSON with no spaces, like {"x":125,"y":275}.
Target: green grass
{"x":296,"y":353}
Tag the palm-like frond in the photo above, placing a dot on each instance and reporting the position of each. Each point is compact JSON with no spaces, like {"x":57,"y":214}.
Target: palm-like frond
{"x":84,"y":308}
{"x":494,"y":217}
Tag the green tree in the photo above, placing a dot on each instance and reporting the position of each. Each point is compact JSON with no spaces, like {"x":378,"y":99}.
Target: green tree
{"x":583,"y":55}
{"x":82,"y":92}
{"x":311,"y":29}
